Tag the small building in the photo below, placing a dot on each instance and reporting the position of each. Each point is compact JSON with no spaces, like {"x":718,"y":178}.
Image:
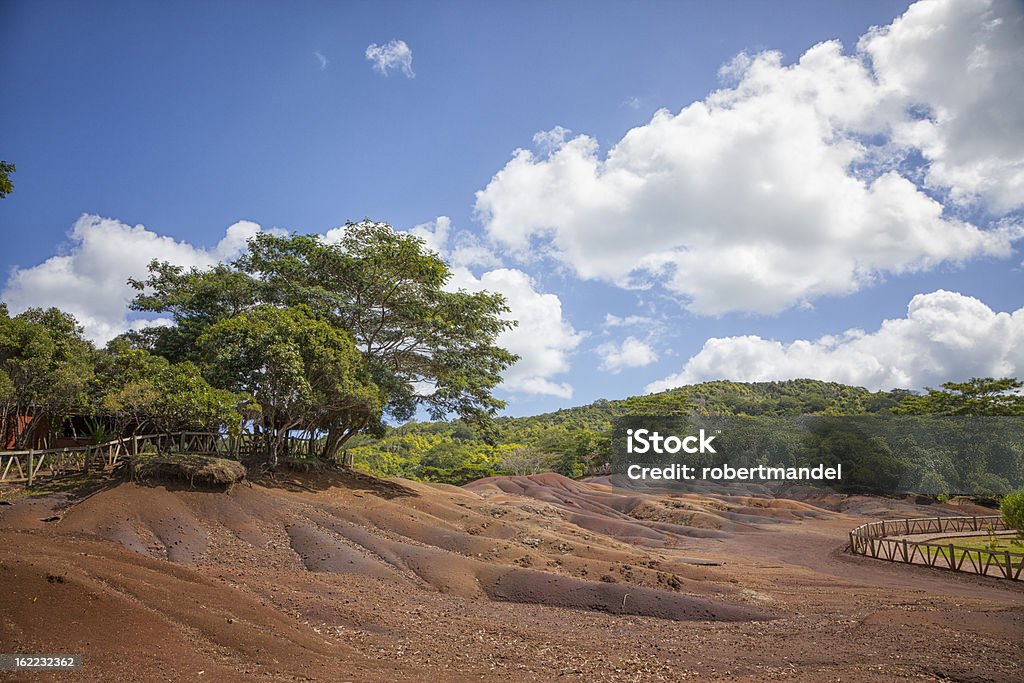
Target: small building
{"x":74,"y":432}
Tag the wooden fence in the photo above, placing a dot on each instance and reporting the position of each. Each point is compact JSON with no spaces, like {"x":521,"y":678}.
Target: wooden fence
{"x":27,"y":466}
{"x":874,"y":539}
{"x":18,"y":466}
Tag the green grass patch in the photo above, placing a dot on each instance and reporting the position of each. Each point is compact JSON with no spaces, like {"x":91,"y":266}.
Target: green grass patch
{"x":994,"y":543}
{"x":992,"y":549}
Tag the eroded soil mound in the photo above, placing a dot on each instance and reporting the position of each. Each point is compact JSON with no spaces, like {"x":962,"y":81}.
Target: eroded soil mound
{"x":343,"y":576}
{"x":195,"y":470}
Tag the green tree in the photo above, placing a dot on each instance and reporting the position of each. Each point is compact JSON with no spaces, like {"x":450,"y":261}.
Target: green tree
{"x":427,"y":346}
{"x":527,"y":460}
{"x":6,"y":185}
{"x":143,"y":393}
{"x":1012,"y":511}
{"x":46,"y":365}
{"x":424,"y":346}
{"x":304,"y":373}
{"x":975,"y":397}
{"x":194,"y":299}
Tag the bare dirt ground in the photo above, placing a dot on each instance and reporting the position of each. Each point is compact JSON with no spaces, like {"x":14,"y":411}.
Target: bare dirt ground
{"x":343,"y":577}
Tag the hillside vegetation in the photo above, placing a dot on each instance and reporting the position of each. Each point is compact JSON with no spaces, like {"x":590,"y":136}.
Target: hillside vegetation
{"x":938,"y":442}
{"x":576,"y":441}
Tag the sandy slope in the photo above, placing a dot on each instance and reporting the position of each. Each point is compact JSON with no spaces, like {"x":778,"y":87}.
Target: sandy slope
{"x":346,"y":577}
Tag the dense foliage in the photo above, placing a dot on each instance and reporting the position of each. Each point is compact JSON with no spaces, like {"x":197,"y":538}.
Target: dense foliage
{"x":139,"y":393}
{"x":1012,"y":510}
{"x":577,"y":441}
{"x":299,"y":334}
{"x":50,"y":372}
{"x":992,"y":397}
{"x":6,"y":184}
{"x":46,"y":369}
{"x":304,"y":373}
{"x":331,"y":336}
{"x":930,"y":452}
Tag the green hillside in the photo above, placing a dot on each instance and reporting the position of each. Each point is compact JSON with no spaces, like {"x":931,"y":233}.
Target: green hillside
{"x":576,"y":441}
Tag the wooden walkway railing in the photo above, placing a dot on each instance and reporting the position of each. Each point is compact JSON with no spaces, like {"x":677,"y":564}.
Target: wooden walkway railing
{"x":18,"y":466}
{"x":26,"y":466}
{"x":874,"y":540}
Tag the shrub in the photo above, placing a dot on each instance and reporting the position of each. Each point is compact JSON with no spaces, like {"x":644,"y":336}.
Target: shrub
{"x":1012,"y":510}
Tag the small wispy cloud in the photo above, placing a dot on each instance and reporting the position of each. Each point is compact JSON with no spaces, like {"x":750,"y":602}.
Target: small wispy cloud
{"x":547,"y":141}
{"x":612,"y":320}
{"x":631,"y":102}
{"x":322,"y":59}
{"x":394,"y":54}
{"x":631,"y":353}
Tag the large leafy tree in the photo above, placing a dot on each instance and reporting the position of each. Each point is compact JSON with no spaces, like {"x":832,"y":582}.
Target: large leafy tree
{"x":305,"y":373}
{"x":426,"y":345}
{"x":46,"y":365}
{"x":423,"y":345}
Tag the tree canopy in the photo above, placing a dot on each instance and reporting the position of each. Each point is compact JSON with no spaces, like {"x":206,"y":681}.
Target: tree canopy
{"x":6,"y":185}
{"x":416,"y":343}
{"x":144,"y":393}
{"x":977,"y":396}
{"x":305,"y":373}
{"x":46,"y":367}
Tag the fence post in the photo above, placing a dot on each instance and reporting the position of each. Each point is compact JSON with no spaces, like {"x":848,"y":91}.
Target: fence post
{"x":31,"y":466}
{"x":134,"y":458}
{"x":1009,"y":567}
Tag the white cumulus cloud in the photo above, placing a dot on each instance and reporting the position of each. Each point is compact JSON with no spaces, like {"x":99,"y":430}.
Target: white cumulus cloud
{"x":393,"y":55}
{"x":457,"y":247}
{"x":797,"y":181}
{"x":90,"y":278}
{"x":945,"y":336}
{"x":960,"y":63}
{"x":544,"y":338}
{"x":631,"y":353}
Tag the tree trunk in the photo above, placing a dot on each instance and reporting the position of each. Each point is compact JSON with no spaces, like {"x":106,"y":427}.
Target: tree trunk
{"x":338,"y":435}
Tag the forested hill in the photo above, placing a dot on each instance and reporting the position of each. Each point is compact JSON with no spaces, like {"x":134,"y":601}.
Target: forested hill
{"x":722,"y":397}
{"x":572,"y":440}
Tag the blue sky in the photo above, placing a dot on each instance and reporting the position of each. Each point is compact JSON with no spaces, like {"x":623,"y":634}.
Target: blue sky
{"x":190,"y":117}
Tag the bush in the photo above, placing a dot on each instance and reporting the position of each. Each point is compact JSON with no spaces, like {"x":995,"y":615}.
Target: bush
{"x":1012,"y":510}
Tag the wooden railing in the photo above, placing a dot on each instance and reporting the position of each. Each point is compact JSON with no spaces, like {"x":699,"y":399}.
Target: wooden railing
{"x":17,"y":466}
{"x":874,"y":539}
{"x":26,"y":466}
